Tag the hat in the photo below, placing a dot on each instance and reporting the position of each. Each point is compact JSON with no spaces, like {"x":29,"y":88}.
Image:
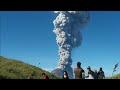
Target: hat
{"x":88,"y":67}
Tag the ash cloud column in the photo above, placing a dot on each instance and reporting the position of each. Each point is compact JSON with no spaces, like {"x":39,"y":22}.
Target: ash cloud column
{"x":67,"y":27}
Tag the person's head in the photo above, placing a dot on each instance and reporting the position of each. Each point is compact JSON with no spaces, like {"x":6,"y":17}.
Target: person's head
{"x":43,"y":74}
{"x":78,"y":64}
{"x":100,"y":68}
{"x":95,"y":70}
{"x":88,"y":68}
{"x":65,"y":73}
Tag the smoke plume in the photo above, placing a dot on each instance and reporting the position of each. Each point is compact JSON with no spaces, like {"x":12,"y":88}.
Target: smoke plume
{"x":67,"y":26}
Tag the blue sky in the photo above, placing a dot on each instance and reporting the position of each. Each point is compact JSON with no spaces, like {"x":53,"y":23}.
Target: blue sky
{"x":28,"y":36}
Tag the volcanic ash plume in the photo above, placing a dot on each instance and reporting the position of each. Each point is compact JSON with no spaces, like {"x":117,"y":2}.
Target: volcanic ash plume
{"x":67,"y":27}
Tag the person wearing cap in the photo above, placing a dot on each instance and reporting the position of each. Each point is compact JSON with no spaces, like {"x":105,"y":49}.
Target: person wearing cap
{"x":78,"y":71}
{"x":90,"y":73}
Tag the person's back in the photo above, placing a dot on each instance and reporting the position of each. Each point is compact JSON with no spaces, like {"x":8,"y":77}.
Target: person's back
{"x":78,"y":71}
{"x":95,"y":74}
{"x":65,"y":77}
{"x":90,"y":73}
{"x":83,"y":74}
{"x":45,"y":76}
{"x":101,"y":74}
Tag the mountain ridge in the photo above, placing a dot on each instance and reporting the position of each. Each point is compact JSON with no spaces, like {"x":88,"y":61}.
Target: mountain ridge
{"x":14,"y":69}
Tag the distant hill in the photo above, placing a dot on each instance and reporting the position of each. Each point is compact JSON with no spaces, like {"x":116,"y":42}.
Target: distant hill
{"x":14,"y":69}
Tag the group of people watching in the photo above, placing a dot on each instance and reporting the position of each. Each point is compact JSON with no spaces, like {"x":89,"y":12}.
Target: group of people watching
{"x":80,"y":73}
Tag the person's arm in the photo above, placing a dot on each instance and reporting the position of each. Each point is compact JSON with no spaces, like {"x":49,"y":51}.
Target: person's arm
{"x":63,"y":77}
{"x":74,"y":70}
{"x":87,"y":75}
{"x":103,"y":74}
{"x":45,"y":76}
{"x":83,"y":75}
{"x":82,"y":70}
{"x":98,"y":73}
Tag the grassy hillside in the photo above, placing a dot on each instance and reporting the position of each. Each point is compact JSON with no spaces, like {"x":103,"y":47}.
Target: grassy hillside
{"x":13,"y":69}
{"x":116,"y":76}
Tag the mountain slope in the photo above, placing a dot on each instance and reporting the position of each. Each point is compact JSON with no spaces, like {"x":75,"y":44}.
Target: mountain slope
{"x":13,"y":69}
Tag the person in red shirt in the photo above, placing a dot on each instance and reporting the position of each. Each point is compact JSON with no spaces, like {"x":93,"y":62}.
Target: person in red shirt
{"x":45,"y":76}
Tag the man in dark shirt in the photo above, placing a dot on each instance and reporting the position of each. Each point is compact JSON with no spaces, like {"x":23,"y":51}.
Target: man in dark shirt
{"x":101,"y":74}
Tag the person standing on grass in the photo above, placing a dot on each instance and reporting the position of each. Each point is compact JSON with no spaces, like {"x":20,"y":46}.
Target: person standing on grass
{"x":101,"y":74}
{"x":78,"y":71}
{"x":45,"y":76}
{"x":65,"y":76}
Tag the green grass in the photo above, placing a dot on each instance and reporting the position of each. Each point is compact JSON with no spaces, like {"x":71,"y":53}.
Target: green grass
{"x":116,"y":76}
{"x":14,"y":69}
